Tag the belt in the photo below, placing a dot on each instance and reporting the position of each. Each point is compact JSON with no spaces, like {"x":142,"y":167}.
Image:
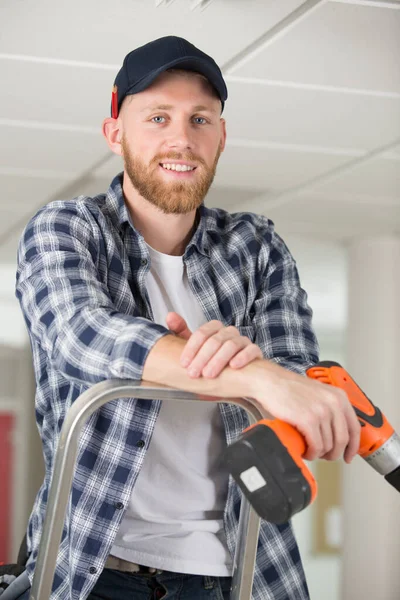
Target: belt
{"x":119,"y":564}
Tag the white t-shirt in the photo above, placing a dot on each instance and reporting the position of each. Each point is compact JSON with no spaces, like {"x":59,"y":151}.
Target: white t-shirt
{"x":174,"y":520}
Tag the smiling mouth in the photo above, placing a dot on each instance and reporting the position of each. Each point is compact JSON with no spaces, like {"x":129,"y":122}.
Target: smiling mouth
{"x":178,"y":169}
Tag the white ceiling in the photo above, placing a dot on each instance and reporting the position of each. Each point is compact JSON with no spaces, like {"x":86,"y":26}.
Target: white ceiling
{"x":313,"y":114}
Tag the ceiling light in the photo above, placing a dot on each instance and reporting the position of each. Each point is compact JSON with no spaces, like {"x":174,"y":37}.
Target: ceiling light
{"x":201,"y":4}
{"x":165,"y":2}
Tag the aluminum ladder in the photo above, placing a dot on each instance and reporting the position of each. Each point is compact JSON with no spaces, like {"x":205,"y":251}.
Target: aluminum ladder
{"x":78,"y":414}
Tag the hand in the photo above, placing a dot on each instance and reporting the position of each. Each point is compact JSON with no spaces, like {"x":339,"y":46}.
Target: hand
{"x":322,"y":413}
{"x":212,"y":347}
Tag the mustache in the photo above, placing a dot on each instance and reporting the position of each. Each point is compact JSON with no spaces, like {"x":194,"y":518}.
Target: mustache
{"x":188,"y":156}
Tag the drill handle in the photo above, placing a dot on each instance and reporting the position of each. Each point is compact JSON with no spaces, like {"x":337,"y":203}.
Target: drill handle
{"x":375,"y":427}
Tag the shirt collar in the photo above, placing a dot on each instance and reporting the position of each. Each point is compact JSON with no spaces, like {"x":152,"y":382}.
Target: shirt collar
{"x":119,"y":214}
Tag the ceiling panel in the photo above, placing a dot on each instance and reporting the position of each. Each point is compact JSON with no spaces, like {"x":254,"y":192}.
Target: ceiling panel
{"x":279,"y":136}
{"x":394,"y":153}
{"x":109,"y":168}
{"x":23,"y":195}
{"x":8,"y":253}
{"x":9,"y":239}
{"x":228,"y":197}
{"x":335,"y":217}
{"x":103,"y":32}
{"x":42,"y":92}
{"x":324,"y":231}
{"x":347,"y":45}
{"x":374,"y":180}
{"x":92,"y":186}
{"x":272,"y":170}
{"x":314,"y":117}
{"x":65,"y":151}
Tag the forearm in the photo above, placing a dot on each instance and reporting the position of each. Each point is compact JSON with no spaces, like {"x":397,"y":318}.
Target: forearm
{"x":163,"y":366}
{"x":115,"y":348}
{"x":67,"y":305}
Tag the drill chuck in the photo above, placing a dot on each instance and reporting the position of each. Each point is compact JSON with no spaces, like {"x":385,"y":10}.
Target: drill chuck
{"x":386,"y":458}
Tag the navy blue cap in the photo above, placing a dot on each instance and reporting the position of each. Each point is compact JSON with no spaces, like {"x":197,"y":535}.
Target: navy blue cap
{"x":141,"y":67}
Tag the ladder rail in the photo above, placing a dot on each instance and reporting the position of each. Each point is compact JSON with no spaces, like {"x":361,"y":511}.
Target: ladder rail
{"x":83,"y":407}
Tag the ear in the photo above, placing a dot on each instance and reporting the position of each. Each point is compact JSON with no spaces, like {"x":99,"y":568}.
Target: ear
{"x":223,"y":135}
{"x":112,"y":131}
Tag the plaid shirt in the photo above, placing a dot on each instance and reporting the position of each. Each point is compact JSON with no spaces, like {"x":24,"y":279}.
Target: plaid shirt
{"x":81,"y":284}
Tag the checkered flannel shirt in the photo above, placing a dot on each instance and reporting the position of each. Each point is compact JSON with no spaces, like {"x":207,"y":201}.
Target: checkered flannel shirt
{"x":81,"y":284}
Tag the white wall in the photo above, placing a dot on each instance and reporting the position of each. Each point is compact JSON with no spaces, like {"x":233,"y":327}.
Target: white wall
{"x":12,"y":326}
{"x":323,"y":571}
{"x":323,"y":274}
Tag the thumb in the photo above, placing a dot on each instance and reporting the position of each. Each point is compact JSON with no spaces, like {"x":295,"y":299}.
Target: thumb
{"x":178,"y":325}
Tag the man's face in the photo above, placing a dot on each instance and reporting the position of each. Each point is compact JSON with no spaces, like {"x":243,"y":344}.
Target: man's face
{"x":172,"y":137}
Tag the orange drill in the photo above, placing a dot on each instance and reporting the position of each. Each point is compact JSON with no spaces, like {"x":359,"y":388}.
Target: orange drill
{"x":267,"y":463}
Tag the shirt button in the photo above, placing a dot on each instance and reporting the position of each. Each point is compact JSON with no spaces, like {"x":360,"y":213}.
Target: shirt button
{"x":92,"y":570}
{"x":119,"y":505}
{"x":140,"y":444}
{"x":144,"y":262}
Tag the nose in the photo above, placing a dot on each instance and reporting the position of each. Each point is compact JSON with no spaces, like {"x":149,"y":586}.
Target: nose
{"x":180,"y":136}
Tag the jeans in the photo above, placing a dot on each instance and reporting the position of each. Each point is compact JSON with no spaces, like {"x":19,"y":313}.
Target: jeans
{"x":116,"y":585}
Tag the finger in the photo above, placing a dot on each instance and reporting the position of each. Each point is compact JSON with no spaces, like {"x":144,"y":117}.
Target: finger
{"x":340,"y":435}
{"x":211,"y":347}
{"x":313,"y":438}
{"x":178,"y":325}
{"x":246,"y":356}
{"x":197,"y":339}
{"x":223,"y":356}
{"x":326,"y":429}
{"x":354,"y":428}
{"x":213,"y":329}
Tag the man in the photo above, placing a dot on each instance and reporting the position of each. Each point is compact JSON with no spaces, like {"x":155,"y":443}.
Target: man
{"x":145,"y":282}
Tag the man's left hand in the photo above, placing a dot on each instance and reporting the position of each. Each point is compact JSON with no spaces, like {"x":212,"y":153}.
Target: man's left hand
{"x":212,"y":347}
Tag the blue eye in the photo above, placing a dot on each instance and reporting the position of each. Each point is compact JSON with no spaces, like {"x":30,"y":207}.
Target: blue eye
{"x":202,"y":119}
{"x":154,"y":119}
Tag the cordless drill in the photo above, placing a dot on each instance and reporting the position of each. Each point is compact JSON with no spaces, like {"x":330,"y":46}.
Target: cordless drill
{"x":267,"y":463}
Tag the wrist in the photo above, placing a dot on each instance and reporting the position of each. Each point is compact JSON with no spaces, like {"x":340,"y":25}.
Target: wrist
{"x":258,"y":378}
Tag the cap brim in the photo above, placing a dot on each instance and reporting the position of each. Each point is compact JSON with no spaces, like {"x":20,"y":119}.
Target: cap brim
{"x":191,"y":64}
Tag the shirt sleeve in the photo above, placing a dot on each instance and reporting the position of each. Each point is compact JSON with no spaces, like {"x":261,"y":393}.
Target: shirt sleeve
{"x":66,"y":305}
{"x":282,"y":317}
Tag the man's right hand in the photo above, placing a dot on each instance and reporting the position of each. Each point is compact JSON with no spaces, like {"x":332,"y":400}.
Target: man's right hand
{"x":321,"y":413}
